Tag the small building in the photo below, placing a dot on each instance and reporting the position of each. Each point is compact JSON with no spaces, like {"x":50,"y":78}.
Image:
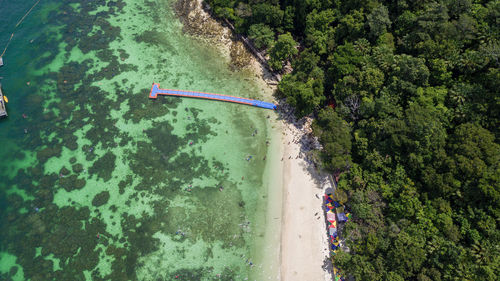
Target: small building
{"x":341,"y":214}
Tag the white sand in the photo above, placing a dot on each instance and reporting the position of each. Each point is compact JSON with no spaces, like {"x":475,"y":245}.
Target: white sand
{"x":304,"y":242}
{"x":303,"y":237}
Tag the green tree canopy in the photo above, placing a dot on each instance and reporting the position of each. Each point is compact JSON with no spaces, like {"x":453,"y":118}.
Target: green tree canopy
{"x":304,"y":96}
{"x":262,"y":35}
{"x":406,"y":106}
{"x":379,"y":21}
{"x":284,"y":49}
{"x":335,"y":135}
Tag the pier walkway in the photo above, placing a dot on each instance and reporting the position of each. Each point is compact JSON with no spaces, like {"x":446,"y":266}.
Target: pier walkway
{"x":155,"y":91}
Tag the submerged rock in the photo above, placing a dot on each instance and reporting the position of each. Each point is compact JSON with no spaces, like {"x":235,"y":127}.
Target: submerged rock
{"x":64,"y":171}
{"x":240,"y":57}
{"x":48,"y":152}
{"x":104,"y":166}
{"x":72,"y":182}
{"x":100,"y":199}
{"x":77,"y":168}
{"x":198,"y":22}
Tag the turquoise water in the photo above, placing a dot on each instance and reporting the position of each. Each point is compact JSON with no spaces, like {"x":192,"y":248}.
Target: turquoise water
{"x":97,"y":182}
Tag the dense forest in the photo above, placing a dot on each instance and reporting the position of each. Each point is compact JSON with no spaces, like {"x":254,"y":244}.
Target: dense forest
{"x":406,"y":101}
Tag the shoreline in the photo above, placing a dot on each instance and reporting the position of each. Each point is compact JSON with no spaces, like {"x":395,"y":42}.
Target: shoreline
{"x":295,"y":244}
{"x":304,"y":244}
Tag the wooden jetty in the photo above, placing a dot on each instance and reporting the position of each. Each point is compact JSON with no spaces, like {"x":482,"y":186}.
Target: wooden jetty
{"x":3,"y":110}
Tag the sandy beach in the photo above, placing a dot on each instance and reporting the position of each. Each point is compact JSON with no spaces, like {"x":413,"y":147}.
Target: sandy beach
{"x":304,"y":245}
{"x":303,"y":250}
{"x":297,"y":221}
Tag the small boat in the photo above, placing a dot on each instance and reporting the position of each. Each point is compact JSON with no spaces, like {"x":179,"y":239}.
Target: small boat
{"x":5,"y":99}
{"x":3,"y":111}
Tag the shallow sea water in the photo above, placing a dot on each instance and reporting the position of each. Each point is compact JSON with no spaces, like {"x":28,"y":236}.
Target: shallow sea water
{"x":97,"y":182}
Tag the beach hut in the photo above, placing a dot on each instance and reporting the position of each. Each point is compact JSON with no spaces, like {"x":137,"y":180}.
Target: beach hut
{"x":329,"y":196}
{"x":330,"y":216}
{"x":332,"y":224}
{"x":340,"y":214}
{"x":333,"y":231}
{"x":342,"y":217}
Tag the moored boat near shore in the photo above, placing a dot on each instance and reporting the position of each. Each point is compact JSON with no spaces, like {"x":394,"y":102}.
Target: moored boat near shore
{"x":3,"y":100}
